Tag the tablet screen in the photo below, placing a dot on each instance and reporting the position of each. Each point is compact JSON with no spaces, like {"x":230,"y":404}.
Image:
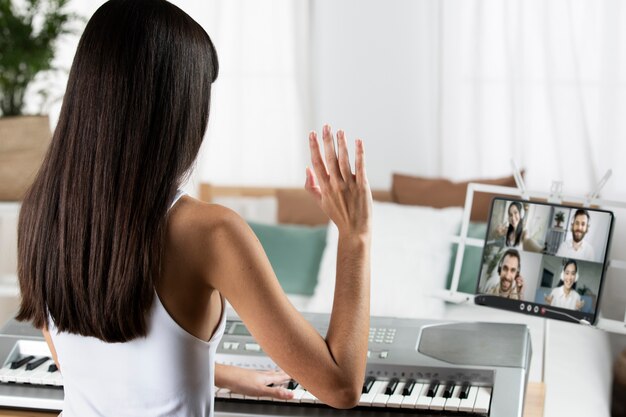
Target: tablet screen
{"x":544,"y":259}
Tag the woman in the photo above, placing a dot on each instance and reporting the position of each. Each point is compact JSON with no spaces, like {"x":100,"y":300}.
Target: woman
{"x":128,"y":278}
{"x":513,"y":233}
{"x":565,"y":295}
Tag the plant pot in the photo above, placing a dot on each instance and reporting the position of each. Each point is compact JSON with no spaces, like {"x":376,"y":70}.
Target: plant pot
{"x":23,"y":144}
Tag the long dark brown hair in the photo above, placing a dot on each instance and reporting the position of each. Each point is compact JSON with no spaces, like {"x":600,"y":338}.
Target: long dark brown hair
{"x":91,"y":228}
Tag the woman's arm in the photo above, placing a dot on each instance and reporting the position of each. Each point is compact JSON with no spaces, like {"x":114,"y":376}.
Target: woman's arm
{"x":332,"y":368}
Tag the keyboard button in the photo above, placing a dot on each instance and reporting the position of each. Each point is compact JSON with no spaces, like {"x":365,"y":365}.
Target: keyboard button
{"x":483,"y":399}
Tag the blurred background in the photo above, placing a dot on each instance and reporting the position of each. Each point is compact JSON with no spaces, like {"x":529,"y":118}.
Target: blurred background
{"x":445,"y":88}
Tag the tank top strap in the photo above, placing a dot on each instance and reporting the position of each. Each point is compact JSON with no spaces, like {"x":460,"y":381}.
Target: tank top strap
{"x":177,"y":196}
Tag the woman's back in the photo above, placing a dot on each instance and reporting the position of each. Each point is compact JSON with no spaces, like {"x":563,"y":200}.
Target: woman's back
{"x":167,"y":373}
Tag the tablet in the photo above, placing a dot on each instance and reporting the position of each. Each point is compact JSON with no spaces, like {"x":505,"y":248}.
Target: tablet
{"x":546,"y":260}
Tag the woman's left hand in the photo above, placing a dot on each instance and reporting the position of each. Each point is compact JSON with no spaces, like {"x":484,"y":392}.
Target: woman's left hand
{"x":253,"y":383}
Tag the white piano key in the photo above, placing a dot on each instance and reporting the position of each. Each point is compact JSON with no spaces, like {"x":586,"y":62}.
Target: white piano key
{"x":467,"y":404}
{"x":483,"y":399}
{"x":409,"y":401}
{"x":423,"y":401}
{"x":4,"y":373}
{"x":438,"y":401}
{"x":308,"y":398}
{"x":380,"y":400}
{"x":452,"y":404}
{"x":11,"y":374}
{"x":395,"y":399}
{"x":297,"y":395}
{"x":250,"y":397}
{"x":223,"y":393}
{"x":377,"y":388}
{"x":56,"y":379}
{"x":236,"y":396}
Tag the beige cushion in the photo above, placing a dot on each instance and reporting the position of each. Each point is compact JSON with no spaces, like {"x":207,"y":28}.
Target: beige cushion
{"x":440,"y":193}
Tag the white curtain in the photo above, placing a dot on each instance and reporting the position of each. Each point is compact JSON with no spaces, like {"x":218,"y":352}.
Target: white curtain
{"x":538,"y":81}
{"x":259,"y":112}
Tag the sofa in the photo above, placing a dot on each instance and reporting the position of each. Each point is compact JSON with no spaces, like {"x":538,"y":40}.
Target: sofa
{"x":412,"y":262}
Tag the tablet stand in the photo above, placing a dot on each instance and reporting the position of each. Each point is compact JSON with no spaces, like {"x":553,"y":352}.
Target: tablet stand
{"x":555,"y":196}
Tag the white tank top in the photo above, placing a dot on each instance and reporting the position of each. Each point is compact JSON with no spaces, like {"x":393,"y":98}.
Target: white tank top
{"x":168,"y":373}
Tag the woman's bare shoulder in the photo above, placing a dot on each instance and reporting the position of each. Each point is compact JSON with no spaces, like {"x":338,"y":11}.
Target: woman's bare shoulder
{"x":197,"y":220}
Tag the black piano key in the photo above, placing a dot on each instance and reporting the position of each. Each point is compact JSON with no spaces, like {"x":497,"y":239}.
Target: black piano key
{"x":391,"y":386}
{"x":464,"y":390}
{"x":367,"y":385}
{"x":52,"y":368}
{"x":292,"y":385}
{"x":432,"y":389}
{"x":21,"y":362}
{"x":447,"y":392}
{"x":408,"y":387}
{"x":34,"y":364}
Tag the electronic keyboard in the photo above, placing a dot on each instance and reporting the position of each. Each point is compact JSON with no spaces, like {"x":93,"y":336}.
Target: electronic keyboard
{"x":414,"y":367}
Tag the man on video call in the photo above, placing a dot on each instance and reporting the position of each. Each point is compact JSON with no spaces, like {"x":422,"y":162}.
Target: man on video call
{"x":576,"y":247}
{"x":511,"y":282}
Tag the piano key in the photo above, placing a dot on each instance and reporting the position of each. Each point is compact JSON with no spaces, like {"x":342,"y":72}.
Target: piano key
{"x":432,"y":389}
{"x":34,"y":364}
{"x":298,"y":393}
{"x":223,"y":393}
{"x":10,"y":373}
{"x":483,"y":399}
{"x":368,"y":398}
{"x":21,"y":362}
{"x":236,"y":396}
{"x":410,"y":401}
{"x":4,"y":373}
{"x":467,"y":404}
{"x":308,"y":398}
{"x":447,"y":391}
{"x":292,"y":385}
{"x":53,"y":367}
{"x":391,"y":386}
{"x":367,"y":385}
{"x":464,"y":390}
{"x":423,"y":401}
{"x":408,"y":386}
{"x":395,"y":400}
{"x":380,"y":400}
{"x":438,"y":401}
{"x":452,"y":404}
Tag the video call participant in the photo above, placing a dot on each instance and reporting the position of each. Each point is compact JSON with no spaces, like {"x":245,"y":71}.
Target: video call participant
{"x":565,"y":295}
{"x":577,"y":247}
{"x":511,"y":283}
{"x":513,"y":232}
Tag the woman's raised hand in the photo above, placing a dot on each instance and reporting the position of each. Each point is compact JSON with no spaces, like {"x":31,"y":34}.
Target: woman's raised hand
{"x":344,"y":196}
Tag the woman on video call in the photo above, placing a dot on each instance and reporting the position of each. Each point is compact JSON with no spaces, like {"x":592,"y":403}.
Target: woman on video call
{"x":128,"y":277}
{"x":565,"y":294}
{"x":513,"y":232}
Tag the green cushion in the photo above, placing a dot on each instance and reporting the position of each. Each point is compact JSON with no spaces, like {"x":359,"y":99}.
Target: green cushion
{"x":468,"y":281}
{"x":295,"y":253}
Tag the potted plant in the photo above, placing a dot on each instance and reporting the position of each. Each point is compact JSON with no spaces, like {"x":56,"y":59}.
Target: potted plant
{"x":559,"y":218}
{"x":29,"y":31}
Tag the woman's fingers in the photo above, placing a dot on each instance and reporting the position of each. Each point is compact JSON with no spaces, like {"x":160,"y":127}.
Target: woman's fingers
{"x":316,"y":159}
{"x":330,"y":153}
{"x":361,"y":177}
{"x":311,"y":185}
{"x":343,"y":157}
